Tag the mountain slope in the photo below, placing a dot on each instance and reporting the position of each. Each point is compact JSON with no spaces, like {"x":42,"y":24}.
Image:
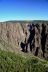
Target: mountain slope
{"x":11,"y":62}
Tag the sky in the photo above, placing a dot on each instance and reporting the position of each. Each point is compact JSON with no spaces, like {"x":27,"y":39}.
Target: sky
{"x":23,"y":10}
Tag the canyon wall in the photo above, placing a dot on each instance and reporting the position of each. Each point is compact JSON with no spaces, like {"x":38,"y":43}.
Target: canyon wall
{"x":13,"y":32}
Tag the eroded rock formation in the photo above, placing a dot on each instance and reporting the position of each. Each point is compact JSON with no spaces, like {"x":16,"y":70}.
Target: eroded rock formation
{"x":13,"y":32}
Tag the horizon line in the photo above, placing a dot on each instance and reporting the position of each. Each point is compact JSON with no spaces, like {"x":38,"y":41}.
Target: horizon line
{"x":25,"y":20}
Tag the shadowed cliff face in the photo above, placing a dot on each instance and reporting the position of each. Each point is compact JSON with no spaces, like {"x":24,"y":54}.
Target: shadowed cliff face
{"x":12,"y":33}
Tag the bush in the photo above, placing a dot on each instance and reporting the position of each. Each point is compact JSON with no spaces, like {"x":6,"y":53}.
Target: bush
{"x":10,"y":62}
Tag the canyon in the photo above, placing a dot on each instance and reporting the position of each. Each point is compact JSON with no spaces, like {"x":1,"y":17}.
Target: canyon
{"x":12,"y":33}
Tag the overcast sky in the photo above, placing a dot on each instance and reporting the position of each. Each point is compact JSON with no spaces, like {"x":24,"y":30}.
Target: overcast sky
{"x":23,"y":10}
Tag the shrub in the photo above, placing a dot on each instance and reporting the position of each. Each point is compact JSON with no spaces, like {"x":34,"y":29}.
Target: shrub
{"x":11,"y":62}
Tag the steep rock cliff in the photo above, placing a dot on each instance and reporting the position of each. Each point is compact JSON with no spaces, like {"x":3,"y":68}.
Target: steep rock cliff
{"x":13,"y":32}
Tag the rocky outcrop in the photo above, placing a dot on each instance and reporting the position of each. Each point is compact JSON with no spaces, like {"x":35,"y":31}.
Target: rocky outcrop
{"x":13,"y":32}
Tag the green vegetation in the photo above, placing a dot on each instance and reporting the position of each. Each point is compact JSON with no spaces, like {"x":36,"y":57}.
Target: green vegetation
{"x":11,"y":62}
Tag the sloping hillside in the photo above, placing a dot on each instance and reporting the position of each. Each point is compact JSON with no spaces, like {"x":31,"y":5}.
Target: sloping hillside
{"x":11,"y":62}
